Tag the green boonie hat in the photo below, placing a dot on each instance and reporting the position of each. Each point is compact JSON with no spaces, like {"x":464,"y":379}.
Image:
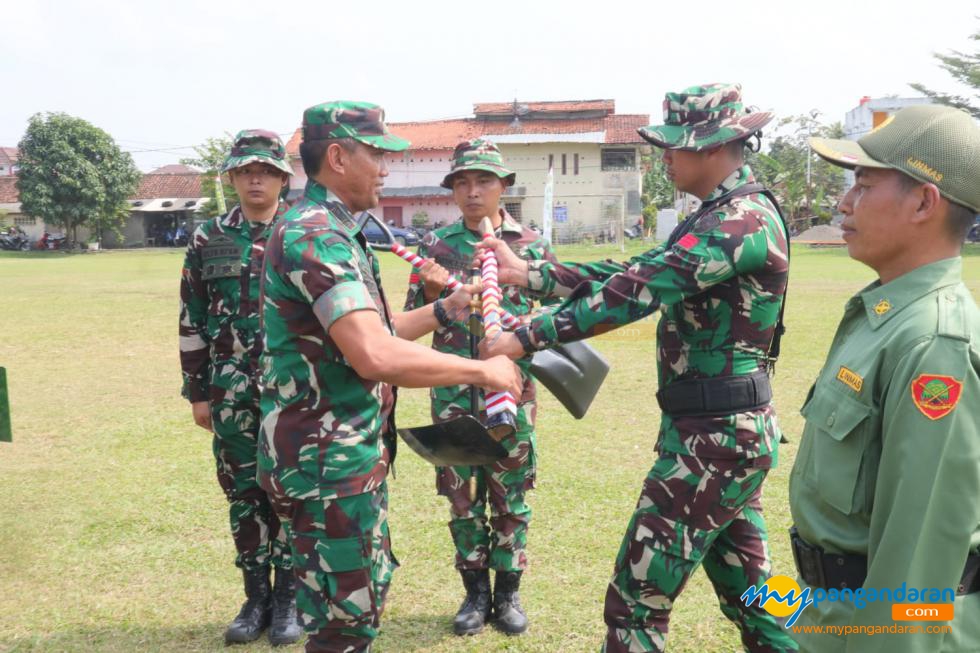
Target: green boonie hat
{"x":479,"y":154}
{"x":362,"y":121}
{"x":257,"y":145}
{"x":703,"y":117}
{"x":931,"y":143}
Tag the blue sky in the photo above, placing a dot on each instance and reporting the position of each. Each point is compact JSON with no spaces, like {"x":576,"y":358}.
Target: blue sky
{"x":164,"y":76}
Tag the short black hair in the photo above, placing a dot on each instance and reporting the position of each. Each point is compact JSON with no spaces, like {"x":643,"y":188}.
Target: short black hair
{"x":959,"y":218}
{"x":312,"y":152}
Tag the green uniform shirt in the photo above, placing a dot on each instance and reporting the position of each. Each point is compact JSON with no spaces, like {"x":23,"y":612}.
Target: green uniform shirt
{"x":324,"y":428}
{"x":889,"y":462}
{"x":219,"y":301}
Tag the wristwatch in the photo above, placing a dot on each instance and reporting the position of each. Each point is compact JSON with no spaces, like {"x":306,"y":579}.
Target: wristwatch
{"x":524,"y":336}
{"x":439,"y":310}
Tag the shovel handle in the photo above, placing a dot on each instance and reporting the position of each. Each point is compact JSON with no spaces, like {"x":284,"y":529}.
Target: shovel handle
{"x":508,"y":320}
{"x":501,"y":406}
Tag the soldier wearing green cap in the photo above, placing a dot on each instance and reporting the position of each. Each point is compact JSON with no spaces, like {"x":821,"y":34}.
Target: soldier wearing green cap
{"x":329,"y":367}
{"x":719,"y":283}
{"x":884,"y":492}
{"x":219,"y":352}
{"x":478,"y":178}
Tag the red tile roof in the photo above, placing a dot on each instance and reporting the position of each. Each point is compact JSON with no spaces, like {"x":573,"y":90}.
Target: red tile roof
{"x":9,"y":155}
{"x":154,"y":186}
{"x":507,"y":108}
{"x":175,"y":169}
{"x":8,"y":190}
{"x":445,"y":134}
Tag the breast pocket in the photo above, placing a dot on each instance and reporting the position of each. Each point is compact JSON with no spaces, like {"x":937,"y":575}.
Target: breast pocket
{"x":840,"y":441}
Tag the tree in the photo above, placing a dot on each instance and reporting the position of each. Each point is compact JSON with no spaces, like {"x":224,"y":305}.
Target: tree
{"x":420,"y":219}
{"x":965,"y":68}
{"x":210,"y":158}
{"x":73,"y":173}
{"x":658,"y":192}
{"x":807,"y":187}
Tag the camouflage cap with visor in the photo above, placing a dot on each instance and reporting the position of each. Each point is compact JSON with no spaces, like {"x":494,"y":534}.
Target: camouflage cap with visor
{"x":479,"y":154}
{"x":257,"y":146}
{"x":703,"y":117}
{"x":931,"y":143}
{"x":362,"y":121}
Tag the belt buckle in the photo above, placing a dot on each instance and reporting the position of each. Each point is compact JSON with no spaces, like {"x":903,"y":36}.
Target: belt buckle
{"x":809,"y":560}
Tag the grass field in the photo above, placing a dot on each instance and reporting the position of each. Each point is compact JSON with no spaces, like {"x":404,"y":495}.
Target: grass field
{"x":113,"y":531}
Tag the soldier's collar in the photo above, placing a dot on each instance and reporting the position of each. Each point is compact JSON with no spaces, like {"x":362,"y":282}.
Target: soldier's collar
{"x":317,"y":192}
{"x":233,"y":219}
{"x":507,"y":224}
{"x":738,"y":178}
{"x":883,"y":301}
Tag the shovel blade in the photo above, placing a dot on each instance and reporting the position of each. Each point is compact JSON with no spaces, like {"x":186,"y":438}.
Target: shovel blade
{"x":573,"y":372}
{"x":460,"y":441}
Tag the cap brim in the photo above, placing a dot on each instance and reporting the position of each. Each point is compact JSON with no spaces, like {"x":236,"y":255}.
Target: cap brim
{"x":705,"y":136}
{"x":387,"y":142}
{"x":844,"y":153}
{"x":506,"y":175}
{"x":233,"y":162}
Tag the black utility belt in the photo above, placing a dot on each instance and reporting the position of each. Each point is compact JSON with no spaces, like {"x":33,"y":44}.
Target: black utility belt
{"x":848,"y":570}
{"x":719,"y":395}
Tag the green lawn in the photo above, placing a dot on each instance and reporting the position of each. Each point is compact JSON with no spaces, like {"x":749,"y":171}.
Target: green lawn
{"x":113,"y":531}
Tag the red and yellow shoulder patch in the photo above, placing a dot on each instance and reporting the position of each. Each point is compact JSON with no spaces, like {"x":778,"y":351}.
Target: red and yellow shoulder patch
{"x":936,"y":395}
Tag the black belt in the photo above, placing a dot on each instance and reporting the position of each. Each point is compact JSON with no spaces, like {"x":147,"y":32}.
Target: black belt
{"x":848,"y":570}
{"x":719,"y":395}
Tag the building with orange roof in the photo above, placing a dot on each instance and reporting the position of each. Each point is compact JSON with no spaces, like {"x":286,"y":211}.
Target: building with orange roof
{"x":593,"y":151}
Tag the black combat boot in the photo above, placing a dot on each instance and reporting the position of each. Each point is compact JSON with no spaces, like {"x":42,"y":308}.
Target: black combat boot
{"x":284,"y":628}
{"x":254,"y":615}
{"x":475,"y":610}
{"x":507,"y":603}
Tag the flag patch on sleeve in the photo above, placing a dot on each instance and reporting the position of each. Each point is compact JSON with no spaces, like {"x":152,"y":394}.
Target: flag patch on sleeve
{"x":688,"y":241}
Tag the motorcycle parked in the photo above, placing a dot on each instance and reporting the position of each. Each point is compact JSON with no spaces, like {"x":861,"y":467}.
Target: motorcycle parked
{"x":49,"y":241}
{"x":14,"y":240}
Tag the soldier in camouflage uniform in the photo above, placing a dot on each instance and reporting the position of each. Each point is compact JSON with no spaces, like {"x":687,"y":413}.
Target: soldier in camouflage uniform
{"x":329,"y":365}
{"x":219,"y":352}
{"x":719,"y":282}
{"x":477,"y":179}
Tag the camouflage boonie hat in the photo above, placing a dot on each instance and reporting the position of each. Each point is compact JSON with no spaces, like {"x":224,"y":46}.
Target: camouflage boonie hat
{"x":702,"y":117}
{"x":362,"y":121}
{"x":479,"y":154}
{"x":257,"y":145}
{"x":931,"y":143}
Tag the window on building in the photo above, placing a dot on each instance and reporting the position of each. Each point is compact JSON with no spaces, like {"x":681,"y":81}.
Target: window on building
{"x":619,"y":159}
{"x":25,"y":221}
{"x":564,"y":164}
{"x":514,"y":208}
{"x":576,"y":163}
{"x":551,"y":161}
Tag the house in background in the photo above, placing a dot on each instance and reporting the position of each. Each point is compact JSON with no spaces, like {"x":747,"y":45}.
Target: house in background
{"x":10,"y":211}
{"x":8,"y":161}
{"x":163,"y":201}
{"x":593,"y":151}
{"x":870,"y":113}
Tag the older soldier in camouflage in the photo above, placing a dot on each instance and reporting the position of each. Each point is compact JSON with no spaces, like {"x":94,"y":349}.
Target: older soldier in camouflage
{"x":719,"y":283}
{"x":329,"y":367}
{"x":478,"y":178}
{"x":219,"y":352}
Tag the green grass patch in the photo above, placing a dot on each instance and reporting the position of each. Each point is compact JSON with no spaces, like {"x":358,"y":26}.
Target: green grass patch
{"x":113,"y":531}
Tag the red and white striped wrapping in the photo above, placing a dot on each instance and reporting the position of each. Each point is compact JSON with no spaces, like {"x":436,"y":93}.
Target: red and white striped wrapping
{"x":508,"y":320}
{"x":500,"y":405}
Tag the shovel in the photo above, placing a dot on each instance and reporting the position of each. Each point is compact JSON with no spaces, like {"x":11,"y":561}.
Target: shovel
{"x":460,"y":441}
{"x":573,"y":372}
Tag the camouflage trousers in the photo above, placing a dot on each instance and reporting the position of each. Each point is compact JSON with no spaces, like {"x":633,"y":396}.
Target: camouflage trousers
{"x":343,"y":561}
{"x":692,"y":512}
{"x":259,"y":537}
{"x":500,"y":544}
